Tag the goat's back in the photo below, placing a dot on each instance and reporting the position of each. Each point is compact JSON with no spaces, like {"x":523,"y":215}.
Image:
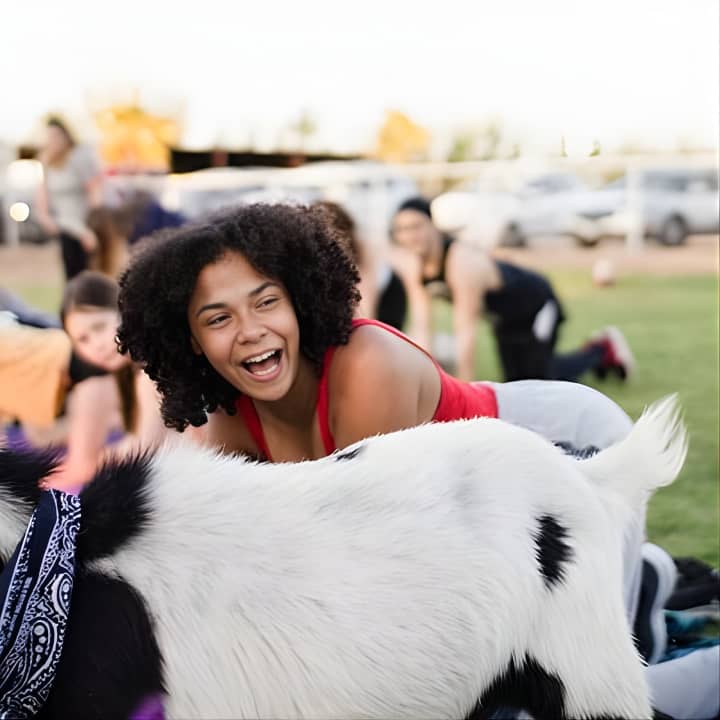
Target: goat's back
{"x":396,"y":578}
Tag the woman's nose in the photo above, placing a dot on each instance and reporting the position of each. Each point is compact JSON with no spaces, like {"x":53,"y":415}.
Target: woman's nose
{"x":250,"y":332}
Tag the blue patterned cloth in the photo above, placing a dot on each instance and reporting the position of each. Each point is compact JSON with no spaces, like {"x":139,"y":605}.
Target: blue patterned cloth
{"x":35,"y":590}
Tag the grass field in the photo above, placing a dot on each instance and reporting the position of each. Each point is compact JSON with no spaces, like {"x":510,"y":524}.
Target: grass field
{"x":672,"y":325}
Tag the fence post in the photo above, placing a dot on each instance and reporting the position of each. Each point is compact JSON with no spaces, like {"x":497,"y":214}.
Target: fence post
{"x":635,"y":235}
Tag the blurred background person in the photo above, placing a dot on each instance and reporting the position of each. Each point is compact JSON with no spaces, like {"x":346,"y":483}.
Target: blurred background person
{"x":49,"y":395}
{"x":383,"y":295}
{"x":525,"y":312}
{"x":111,"y":251}
{"x":141,"y":214}
{"x":71,"y":185}
{"x":90,"y":317}
{"x":24,"y":313}
{"x":73,"y":387}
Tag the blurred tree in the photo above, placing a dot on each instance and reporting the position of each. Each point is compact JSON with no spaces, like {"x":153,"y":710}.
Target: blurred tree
{"x":304,"y":128}
{"x":133,"y":139}
{"x":401,"y":140}
{"x":479,"y":143}
{"x":462,"y":148}
{"x":488,"y":142}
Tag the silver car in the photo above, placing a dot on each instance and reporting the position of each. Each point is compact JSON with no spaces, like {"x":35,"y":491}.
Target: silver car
{"x":673,"y":203}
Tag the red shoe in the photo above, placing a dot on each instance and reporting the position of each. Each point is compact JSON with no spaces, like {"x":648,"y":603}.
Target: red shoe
{"x":617,"y":357}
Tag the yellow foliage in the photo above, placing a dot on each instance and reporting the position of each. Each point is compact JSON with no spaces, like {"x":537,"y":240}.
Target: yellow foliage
{"x":401,"y":140}
{"x":133,"y":139}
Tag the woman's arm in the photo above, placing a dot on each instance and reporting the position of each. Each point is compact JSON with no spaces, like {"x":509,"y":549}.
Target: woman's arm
{"x":465,"y":272}
{"x":150,"y":429}
{"x":408,"y":267}
{"x":93,"y":198}
{"x":92,"y":407}
{"x":42,"y":210}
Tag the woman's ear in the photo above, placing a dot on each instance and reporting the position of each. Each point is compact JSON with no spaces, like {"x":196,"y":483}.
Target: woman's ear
{"x":195,"y":347}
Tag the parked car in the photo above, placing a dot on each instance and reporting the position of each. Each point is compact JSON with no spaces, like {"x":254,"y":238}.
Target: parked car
{"x":548,"y":204}
{"x":370,"y":191}
{"x":673,"y":204}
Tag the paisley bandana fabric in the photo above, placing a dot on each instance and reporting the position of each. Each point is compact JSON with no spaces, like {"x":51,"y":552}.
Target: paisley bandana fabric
{"x":35,"y":590}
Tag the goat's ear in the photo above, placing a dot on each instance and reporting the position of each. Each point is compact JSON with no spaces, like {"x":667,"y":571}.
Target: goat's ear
{"x":21,"y":471}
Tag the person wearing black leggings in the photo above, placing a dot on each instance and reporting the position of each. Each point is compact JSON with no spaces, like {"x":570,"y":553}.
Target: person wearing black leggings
{"x":521,"y":305}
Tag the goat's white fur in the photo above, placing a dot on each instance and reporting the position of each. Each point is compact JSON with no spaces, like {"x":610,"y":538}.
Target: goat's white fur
{"x":396,"y":584}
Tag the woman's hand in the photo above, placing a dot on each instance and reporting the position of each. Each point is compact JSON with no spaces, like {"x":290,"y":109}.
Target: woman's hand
{"x":89,"y":241}
{"x":49,"y":226}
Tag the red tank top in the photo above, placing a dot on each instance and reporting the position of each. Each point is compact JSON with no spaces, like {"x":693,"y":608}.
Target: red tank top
{"x":458,"y":400}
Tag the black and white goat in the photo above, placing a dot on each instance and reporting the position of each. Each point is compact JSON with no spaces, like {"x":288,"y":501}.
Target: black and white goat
{"x":436,"y":572}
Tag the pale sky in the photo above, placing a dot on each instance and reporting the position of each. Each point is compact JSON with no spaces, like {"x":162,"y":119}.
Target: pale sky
{"x":640,"y":71}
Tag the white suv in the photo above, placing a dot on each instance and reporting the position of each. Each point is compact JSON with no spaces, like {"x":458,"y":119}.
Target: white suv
{"x":674,"y":203}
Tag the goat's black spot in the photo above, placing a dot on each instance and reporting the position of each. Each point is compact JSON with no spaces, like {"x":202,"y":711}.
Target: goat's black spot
{"x":114,"y":507}
{"x":553,"y":552}
{"x":110,"y":661}
{"x":349,"y":454}
{"x":21,"y":471}
{"x":526,"y":687}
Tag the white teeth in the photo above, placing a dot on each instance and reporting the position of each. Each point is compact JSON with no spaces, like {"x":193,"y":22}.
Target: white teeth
{"x":260,"y":358}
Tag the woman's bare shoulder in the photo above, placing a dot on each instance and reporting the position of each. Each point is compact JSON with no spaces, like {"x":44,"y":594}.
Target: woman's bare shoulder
{"x":370,"y":344}
{"x":375,"y":359}
{"x":378,"y":386}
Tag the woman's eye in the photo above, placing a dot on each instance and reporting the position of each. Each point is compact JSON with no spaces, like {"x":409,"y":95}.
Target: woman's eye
{"x":217,"y":320}
{"x":267,"y":302}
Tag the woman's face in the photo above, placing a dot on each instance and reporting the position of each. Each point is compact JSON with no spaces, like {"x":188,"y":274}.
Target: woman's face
{"x":92,"y":331}
{"x":414,"y":231}
{"x":245,"y":325}
{"x":56,"y":142}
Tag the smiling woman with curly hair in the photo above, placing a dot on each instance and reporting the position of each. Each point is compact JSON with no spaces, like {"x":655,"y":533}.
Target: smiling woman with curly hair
{"x":293,"y":246}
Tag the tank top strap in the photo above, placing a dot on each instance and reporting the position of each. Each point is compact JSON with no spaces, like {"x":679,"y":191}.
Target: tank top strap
{"x":358,"y":322}
{"x":246,"y":408}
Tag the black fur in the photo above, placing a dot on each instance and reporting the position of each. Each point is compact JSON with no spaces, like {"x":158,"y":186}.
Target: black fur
{"x":527,"y":687}
{"x":349,"y":454}
{"x":114,"y":507}
{"x":22,"y":470}
{"x":553,"y":552}
{"x":110,"y":661}
{"x":20,"y":473}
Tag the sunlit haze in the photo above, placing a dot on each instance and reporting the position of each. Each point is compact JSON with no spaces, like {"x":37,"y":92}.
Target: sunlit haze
{"x":623,"y":72}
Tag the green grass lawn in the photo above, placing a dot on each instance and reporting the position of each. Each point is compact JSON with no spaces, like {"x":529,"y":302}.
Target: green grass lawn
{"x":672,"y":325}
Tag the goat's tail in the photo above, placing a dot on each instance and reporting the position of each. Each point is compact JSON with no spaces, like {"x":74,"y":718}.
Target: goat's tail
{"x":650,"y":457}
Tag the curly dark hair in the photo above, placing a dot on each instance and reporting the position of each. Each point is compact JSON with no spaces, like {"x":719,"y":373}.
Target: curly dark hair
{"x":294,"y":245}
